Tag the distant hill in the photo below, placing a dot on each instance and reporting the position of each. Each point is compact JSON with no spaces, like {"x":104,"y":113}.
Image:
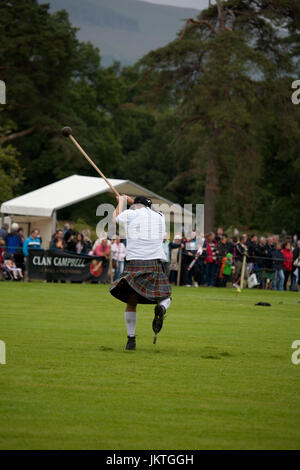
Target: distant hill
{"x":124,"y":30}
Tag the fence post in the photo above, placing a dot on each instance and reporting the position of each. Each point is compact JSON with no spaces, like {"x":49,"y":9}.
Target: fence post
{"x":110,"y":268}
{"x":179,"y":267}
{"x":243,"y":272}
{"x":26,"y":262}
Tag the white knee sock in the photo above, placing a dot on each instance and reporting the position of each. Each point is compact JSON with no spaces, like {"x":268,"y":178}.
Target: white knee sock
{"x":130,"y":320}
{"x":166,"y":302}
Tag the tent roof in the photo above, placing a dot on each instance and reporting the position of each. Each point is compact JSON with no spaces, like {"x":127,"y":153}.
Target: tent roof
{"x":44,"y":201}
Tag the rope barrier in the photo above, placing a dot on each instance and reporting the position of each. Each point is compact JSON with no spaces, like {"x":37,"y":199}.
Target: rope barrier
{"x":249,"y":258}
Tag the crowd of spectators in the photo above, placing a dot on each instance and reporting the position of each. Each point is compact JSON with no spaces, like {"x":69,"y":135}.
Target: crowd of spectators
{"x":216,"y":260}
{"x":71,"y":241}
{"x":193,"y":260}
{"x":14,"y":249}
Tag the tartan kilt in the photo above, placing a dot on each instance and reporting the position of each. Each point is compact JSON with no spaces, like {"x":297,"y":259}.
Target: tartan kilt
{"x":146,"y":278}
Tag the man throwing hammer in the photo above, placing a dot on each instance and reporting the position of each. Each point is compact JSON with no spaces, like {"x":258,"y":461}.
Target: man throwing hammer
{"x":143,"y":280}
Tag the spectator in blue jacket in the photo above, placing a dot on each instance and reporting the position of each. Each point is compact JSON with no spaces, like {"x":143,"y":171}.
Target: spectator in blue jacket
{"x":13,"y":240}
{"x":33,"y":242}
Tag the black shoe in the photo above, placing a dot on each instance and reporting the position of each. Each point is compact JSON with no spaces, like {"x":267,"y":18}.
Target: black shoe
{"x":157,"y":324}
{"x":131,"y":343}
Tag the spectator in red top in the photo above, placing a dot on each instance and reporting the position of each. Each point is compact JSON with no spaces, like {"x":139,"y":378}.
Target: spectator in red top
{"x":211,"y":259}
{"x":102,"y":249}
{"x":288,"y":262}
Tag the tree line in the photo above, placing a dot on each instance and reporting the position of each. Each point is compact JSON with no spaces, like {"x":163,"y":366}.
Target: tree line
{"x":206,"y":119}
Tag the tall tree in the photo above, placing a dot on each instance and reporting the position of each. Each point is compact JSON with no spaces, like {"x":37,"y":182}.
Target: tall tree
{"x":212,"y":77}
{"x":11,"y":174}
{"x":52,"y":80}
{"x":38,"y":53}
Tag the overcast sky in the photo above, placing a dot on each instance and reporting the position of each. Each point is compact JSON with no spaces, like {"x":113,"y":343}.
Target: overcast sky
{"x":199,"y":4}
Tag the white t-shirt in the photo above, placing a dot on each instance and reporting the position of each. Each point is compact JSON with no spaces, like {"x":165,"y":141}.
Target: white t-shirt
{"x":145,"y":230}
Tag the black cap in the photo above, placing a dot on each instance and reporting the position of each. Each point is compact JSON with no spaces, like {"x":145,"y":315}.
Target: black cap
{"x":143,"y":200}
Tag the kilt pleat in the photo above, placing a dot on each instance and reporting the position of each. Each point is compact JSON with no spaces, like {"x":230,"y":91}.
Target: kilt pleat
{"x":146,"y":278}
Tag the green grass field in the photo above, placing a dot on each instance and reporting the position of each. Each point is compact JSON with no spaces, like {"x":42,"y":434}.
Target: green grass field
{"x":220,"y":376}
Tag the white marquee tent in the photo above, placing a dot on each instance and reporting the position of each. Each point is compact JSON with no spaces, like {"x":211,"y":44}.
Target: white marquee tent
{"x":38,"y":208}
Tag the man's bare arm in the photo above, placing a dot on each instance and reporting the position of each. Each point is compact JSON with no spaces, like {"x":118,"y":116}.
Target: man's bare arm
{"x":122,"y":205}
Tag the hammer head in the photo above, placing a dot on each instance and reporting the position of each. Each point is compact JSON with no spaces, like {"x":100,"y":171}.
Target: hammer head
{"x":66,"y":131}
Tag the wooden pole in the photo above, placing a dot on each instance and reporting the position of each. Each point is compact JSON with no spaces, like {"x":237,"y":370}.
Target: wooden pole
{"x":93,"y":164}
{"x":110,"y":268}
{"x":243,"y":272}
{"x":179,"y":267}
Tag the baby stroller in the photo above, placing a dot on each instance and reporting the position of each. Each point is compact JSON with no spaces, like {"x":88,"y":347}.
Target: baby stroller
{"x":9,"y":270}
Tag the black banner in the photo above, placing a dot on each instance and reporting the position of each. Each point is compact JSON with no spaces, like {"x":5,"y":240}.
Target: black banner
{"x":56,"y":265}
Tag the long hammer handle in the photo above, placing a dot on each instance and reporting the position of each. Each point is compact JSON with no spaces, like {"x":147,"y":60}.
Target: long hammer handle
{"x":93,"y":164}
